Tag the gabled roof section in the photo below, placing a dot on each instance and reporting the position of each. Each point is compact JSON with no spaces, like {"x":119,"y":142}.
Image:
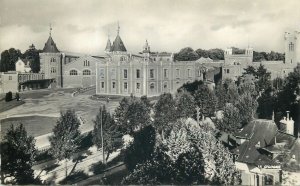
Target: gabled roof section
{"x":50,"y":46}
{"x":118,"y":45}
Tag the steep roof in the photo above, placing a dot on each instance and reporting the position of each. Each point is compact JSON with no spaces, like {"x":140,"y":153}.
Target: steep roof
{"x":261,"y":130}
{"x":108,"y":46}
{"x":118,"y":45}
{"x":50,"y":46}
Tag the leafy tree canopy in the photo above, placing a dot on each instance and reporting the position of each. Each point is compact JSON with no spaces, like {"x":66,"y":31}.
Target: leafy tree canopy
{"x":17,"y":156}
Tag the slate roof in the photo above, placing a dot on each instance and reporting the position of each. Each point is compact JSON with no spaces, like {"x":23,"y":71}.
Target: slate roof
{"x":283,"y":140}
{"x":50,"y":46}
{"x":118,"y":45}
{"x":296,"y":150}
{"x":259,"y":130}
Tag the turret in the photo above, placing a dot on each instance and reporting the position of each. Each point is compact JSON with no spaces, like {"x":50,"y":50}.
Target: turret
{"x":108,"y":46}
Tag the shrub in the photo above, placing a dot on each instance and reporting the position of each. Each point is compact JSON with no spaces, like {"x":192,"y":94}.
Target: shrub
{"x":8,"y":96}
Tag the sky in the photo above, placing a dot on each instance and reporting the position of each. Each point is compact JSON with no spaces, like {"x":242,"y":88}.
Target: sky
{"x":168,"y":25}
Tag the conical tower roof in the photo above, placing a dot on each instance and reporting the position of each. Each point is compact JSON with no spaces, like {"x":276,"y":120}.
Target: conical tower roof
{"x":50,"y":46}
{"x":108,"y":46}
{"x":118,"y":45}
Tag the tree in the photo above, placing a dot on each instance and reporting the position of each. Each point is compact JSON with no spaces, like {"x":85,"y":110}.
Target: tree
{"x":289,"y":98}
{"x":164,"y":112}
{"x":17,"y":156}
{"x":32,"y":54}
{"x":66,"y":137}
{"x":191,"y":87}
{"x":247,"y":106}
{"x":133,"y":113}
{"x":216,"y":54}
{"x":266,"y":104}
{"x":221,"y":95}
{"x":264,"y":78}
{"x":8,"y":96}
{"x":231,"y":119}
{"x":250,"y":70}
{"x":142,"y":147}
{"x":206,"y":100}
{"x":8,"y":59}
{"x":112,"y":137}
{"x":188,"y":155}
{"x":186,"y":54}
{"x":185,"y":105}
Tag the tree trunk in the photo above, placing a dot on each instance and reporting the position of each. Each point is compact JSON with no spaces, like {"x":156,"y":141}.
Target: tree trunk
{"x":66,"y":167}
{"x":108,"y":153}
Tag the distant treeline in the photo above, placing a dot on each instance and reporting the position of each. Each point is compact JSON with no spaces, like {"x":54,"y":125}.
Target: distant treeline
{"x":188,"y":54}
{"x":10,"y":57}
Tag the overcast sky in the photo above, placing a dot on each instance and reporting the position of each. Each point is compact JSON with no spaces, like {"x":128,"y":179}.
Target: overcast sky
{"x":169,"y":25}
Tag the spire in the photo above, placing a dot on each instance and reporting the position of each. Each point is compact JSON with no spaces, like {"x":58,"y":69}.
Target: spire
{"x":108,"y":45}
{"x":50,"y":30}
{"x":118,"y":30}
{"x":118,"y":45}
{"x":50,"y":46}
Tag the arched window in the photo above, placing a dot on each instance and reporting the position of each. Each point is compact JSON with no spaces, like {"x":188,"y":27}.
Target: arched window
{"x":86,"y":72}
{"x":152,"y":86}
{"x":73,"y":72}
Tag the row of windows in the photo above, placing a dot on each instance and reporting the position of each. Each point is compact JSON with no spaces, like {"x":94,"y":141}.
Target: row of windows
{"x":151,"y":73}
{"x":138,"y":86}
{"x":84,"y":72}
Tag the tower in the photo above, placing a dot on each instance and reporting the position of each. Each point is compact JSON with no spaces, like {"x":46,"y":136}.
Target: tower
{"x":50,"y":61}
{"x":118,"y":46}
{"x":146,"y":50}
{"x":292,"y":52}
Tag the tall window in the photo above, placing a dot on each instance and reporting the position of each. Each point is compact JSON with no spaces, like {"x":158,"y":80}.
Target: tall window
{"x":73,"y":72}
{"x":138,"y":87}
{"x":52,"y":59}
{"x":101,"y":72}
{"x":166,"y":73}
{"x":113,"y":74}
{"x":291,"y":46}
{"x":9,"y":77}
{"x":177,"y":73}
{"x":125,"y":74}
{"x":189,"y":72}
{"x":125,"y":86}
{"x":113,"y":85}
{"x":102,"y":85}
{"x":151,"y":73}
{"x":86,"y":63}
{"x":138,"y":73}
{"x":152,"y":86}
{"x":86,"y":72}
{"x":53,"y":70}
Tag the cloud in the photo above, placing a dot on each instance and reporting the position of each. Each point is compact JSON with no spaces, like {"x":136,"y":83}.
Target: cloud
{"x":169,"y":25}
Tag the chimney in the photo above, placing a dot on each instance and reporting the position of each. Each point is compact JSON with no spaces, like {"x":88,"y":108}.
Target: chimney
{"x":287,"y":115}
{"x":273,"y":116}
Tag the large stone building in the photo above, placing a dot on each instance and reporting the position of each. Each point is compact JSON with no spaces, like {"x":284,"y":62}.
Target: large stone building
{"x":234,"y":64}
{"x":147,"y":73}
{"x":119,"y":72}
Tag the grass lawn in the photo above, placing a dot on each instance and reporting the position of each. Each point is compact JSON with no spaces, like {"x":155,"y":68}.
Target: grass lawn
{"x":9,"y":105}
{"x":35,"y":125}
